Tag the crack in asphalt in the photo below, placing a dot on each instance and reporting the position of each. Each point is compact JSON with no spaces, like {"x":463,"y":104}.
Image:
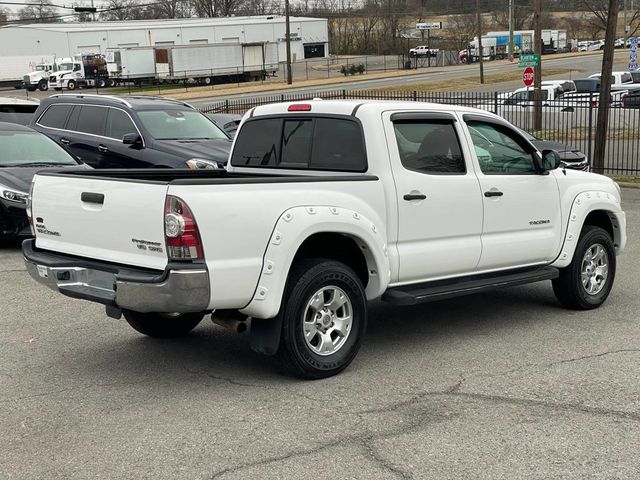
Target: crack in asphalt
{"x":372,"y":453}
{"x":596,"y":355}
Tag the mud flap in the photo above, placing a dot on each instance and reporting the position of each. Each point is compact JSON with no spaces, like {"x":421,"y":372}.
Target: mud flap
{"x":264,"y":336}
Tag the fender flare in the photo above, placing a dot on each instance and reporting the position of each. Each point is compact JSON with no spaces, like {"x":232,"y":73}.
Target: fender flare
{"x":583,"y":204}
{"x":297,"y":224}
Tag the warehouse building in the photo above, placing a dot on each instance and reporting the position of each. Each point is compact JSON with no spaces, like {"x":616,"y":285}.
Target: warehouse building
{"x":309,"y":36}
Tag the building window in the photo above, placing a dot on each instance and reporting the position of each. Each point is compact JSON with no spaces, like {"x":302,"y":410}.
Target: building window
{"x":199,"y":41}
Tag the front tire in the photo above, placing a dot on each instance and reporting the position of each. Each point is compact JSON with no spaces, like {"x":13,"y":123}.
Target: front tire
{"x":71,"y":85}
{"x":586,"y":283}
{"x":43,"y":85}
{"x":161,"y":325}
{"x":324,"y":317}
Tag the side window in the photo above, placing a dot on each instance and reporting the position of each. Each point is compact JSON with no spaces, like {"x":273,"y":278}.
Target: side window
{"x":55,"y":116}
{"x":429,"y":146}
{"x":314,"y":143}
{"x":119,"y":124}
{"x":500,"y":150}
{"x":338,"y":145}
{"x":258,"y":144}
{"x":91,"y":120}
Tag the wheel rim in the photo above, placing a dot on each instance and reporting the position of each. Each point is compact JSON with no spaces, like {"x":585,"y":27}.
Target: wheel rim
{"x":327,"y":320}
{"x":595,"y":269}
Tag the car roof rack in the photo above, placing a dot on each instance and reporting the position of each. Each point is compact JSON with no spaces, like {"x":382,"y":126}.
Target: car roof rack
{"x":156,"y":97}
{"x":83,"y":95}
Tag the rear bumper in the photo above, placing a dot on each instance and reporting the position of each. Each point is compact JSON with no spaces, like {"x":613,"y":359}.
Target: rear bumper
{"x":180,"y":288}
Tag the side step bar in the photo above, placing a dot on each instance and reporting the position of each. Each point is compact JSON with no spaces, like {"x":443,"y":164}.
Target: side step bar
{"x":443,"y":289}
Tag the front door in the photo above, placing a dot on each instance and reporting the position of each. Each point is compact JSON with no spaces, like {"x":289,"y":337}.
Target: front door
{"x":438,"y":196}
{"x":522,"y":221}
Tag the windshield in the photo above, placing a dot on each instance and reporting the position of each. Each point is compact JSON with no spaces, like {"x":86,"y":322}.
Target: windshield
{"x":22,"y":149}
{"x":180,"y":125}
{"x":65,"y":66}
{"x":40,"y":68}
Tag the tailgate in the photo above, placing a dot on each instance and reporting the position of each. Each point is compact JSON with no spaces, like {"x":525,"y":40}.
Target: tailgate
{"x":101,"y":218}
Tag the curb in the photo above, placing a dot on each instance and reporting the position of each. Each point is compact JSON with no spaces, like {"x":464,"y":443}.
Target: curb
{"x":629,"y":185}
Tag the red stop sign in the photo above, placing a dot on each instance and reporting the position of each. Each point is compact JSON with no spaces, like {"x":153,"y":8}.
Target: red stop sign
{"x":528,"y":76}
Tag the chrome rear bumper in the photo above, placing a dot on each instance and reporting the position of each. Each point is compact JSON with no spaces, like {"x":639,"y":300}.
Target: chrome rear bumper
{"x":179,"y":288}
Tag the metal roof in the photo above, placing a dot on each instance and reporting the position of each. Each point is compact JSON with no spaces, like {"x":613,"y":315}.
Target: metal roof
{"x":157,"y":24}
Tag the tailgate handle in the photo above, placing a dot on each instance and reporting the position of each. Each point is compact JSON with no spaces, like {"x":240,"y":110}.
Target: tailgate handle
{"x":90,"y":197}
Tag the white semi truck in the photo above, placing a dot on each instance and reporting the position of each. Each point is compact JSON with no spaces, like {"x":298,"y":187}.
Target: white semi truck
{"x":38,"y":78}
{"x":82,"y":70}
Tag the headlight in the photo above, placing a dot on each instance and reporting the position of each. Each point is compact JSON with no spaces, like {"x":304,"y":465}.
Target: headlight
{"x":200,"y":164}
{"x":13,"y":195}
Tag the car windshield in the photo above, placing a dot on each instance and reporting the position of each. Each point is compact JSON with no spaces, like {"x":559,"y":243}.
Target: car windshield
{"x":25,"y":149}
{"x":180,"y":125}
{"x":65,"y":66}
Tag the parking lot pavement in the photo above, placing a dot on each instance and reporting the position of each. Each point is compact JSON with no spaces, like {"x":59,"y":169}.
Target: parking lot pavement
{"x":501,"y":385}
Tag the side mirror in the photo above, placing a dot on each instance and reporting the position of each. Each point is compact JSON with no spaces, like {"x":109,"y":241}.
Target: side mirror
{"x":131,"y":139}
{"x":550,"y":160}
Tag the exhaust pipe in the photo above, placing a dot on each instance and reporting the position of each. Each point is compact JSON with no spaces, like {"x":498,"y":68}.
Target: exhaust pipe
{"x":231,"y":320}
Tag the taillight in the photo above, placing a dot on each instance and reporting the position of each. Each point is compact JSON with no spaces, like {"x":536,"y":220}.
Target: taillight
{"x":181,"y":231}
{"x":299,"y":107}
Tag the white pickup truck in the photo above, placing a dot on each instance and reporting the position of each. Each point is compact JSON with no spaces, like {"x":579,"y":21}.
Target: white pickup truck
{"x":323,"y":206}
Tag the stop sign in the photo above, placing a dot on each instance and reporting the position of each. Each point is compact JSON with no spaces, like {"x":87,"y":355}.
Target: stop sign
{"x":528,"y":76}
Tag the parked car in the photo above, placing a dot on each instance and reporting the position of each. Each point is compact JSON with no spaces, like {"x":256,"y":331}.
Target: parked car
{"x":620,"y":81}
{"x":423,"y":51}
{"x":23,"y":152}
{"x":17,"y":110}
{"x":571,"y":157}
{"x":226,"y":121}
{"x":132,"y":132}
{"x":631,"y":99}
{"x":347,"y":201}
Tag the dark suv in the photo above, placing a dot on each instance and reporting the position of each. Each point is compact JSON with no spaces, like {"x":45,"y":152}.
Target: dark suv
{"x":132,"y":132}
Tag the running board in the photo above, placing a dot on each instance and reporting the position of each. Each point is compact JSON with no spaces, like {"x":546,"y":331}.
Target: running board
{"x":443,"y":289}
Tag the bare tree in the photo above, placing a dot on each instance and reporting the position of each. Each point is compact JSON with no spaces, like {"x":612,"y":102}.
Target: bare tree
{"x":37,"y":12}
{"x":522,"y":14}
{"x":3,"y":16}
{"x":121,"y":10}
{"x":599,"y":10}
{"x":460,"y":30}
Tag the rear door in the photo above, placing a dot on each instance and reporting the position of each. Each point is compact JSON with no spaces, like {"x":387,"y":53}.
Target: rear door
{"x":102,"y":219}
{"x":438,"y":196}
{"x":85,"y":128}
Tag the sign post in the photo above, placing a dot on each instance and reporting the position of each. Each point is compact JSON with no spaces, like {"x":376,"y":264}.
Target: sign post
{"x":428,"y":27}
{"x":528,"y":76}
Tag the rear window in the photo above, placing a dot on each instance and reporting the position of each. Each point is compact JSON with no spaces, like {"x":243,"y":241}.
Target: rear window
{"x":309,"y":143}
{"x":587,"y":86}
{"x":88,"y":119}
{"x":55,"y":116}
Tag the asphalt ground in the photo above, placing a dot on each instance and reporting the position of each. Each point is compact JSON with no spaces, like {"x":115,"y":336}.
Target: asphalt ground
{"x":500,"y":385}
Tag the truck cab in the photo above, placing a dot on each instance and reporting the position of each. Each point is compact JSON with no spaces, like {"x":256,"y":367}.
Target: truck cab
{"x":38,"y":78}
{"x":80,"y":71}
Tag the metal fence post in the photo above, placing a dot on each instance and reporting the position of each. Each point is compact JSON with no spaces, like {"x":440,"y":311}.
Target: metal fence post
{"x":495,"y":102}
{"x":328,"y":68}
{"x":415,"y":95}
{"x":344,"y":93}
{"x":226,"y":105}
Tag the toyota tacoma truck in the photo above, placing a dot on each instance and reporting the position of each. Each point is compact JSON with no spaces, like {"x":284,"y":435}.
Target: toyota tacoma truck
{"x":324,"y":206}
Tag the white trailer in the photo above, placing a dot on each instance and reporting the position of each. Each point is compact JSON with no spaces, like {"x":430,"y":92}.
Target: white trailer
{"x":13,"y":69}
{"x":136,"y":65}
{"x":205,"y":63}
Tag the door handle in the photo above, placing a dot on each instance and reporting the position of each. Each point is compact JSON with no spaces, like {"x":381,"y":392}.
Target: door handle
{"x":493,"y":193}
{"x":414,"y":196}
{"x":65,"y":141}
{"x":90,"y":197}
{"x":102,"y":148}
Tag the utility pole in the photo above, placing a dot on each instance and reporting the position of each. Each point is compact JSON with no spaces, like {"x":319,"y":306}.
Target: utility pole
{"x":624,"y":24}
{"x":479,"y":43}
{"x":537,"y":83}
{"x":511,"y":31}
{"x":604,"y":103}
{"x":288,"y":40}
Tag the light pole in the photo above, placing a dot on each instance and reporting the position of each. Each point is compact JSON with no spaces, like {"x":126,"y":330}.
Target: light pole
{"x":288,"y":41}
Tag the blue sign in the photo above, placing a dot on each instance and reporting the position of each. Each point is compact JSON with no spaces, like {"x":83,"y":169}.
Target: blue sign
{"x":633,"y":55}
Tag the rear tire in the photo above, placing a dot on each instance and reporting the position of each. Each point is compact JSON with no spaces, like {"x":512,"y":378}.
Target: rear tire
{"x":586,"y":283}
{"x":324,"y":317}
{"x":160,"y":325}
